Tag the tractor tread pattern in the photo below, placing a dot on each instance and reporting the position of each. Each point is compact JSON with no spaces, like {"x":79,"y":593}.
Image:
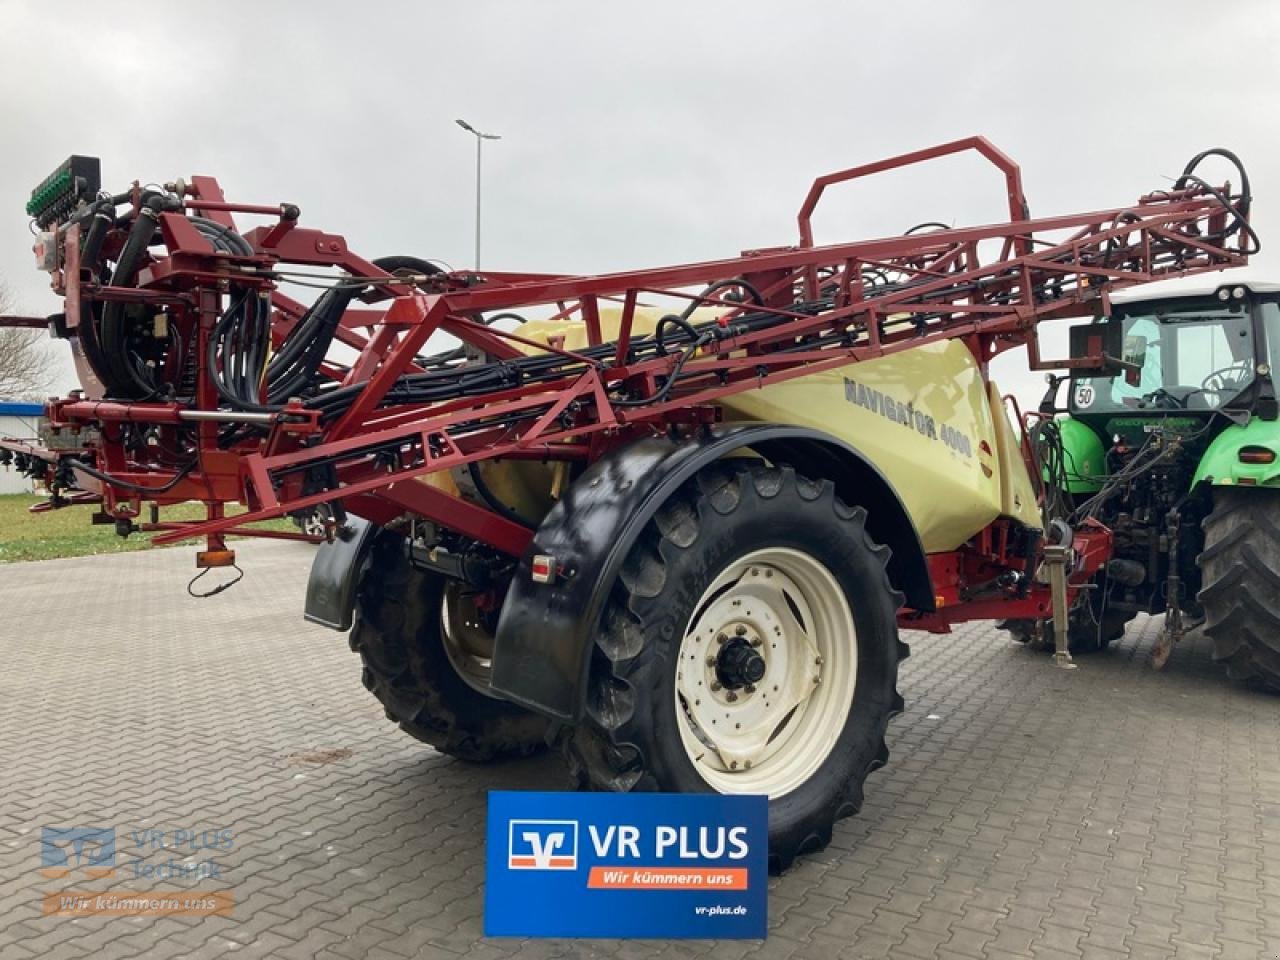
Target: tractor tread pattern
{"x":602,"y":752}
{"x":424,"y":697}
{"x":1240,"y":566}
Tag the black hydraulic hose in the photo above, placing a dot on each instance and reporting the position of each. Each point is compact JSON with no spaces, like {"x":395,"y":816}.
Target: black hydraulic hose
{"x":452,"y":382}
{"x":689,"y":352}
{"x":293,"y":369}
{"x":261,"y":341}
{"x":127,"y":484}
{"x":90,"y":255}
{"x":234,"y":384}
{"x":217,"y":347}
{"x":1239,"y":215}
{"x":401,"y":261}
{"x":1238,"y":221}
{"x":228,"y":239}
{"x":927,"y":225}
{"x":91,"y":249}
{"x":687,"y":312}
{"x":672,"y":320}
{"x":1246,"y":195}
{"x":257,"y":320}
{"x":301,"y":337}
{"x":242,"y":337}
{"x":681,"y":320}
{"x":124,"y":375}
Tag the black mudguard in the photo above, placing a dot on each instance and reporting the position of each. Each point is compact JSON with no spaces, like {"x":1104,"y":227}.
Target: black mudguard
{"x":543,"y":644}
{"x":335,"y":574}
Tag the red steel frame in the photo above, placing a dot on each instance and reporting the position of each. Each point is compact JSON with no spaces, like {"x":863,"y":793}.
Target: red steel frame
{"x":987,"y":285}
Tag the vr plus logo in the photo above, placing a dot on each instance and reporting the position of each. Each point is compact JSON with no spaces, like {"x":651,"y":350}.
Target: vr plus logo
{"x":91,"y":849}
{"x":542,"y":845}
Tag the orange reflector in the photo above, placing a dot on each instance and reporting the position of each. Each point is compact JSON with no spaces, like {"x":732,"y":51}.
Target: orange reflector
{"x":1257,"y":455}
{"x":215,"y":558}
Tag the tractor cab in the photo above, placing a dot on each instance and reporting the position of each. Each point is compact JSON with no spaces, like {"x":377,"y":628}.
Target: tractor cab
{"x":1188,"y":356}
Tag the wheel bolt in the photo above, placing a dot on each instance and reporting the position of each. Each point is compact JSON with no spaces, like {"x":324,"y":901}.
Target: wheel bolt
{"x":721,"y":638}
{"x":817,"y":661}
{"x":733,"y":764}
{"x":747,"y":765}
{"x":750,"y":688}
{"x":711,"y":661}
{"x":756,"y":641}
{"x":715,"y":685}
{"x":740,"y":631}
{"x":732,"y":697}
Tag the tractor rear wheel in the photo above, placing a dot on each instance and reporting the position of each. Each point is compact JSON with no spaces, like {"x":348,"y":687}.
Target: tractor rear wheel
{"x":1240,"y":570}
{"x":750,"y":645}
{"x":419,"y":640}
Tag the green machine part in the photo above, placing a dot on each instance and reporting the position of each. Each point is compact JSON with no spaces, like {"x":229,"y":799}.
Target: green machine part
{"x":1084,"y":456}
{"x":1246,"y":455}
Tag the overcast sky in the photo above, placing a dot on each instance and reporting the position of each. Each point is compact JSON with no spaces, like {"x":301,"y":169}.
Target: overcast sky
{"x":633,"y":134}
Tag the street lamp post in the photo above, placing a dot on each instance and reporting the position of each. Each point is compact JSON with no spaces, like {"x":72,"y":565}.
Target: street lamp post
{"x":480,"y":139}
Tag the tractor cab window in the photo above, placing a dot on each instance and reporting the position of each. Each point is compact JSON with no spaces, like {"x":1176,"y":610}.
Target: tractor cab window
{"x":1183,"y":359}
{"x":1270,"y":312}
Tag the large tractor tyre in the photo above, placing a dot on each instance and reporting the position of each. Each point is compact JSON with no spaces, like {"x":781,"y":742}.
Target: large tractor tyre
{"x":415,"y":635}
{"x":1240,"y":570}
{"x":749,"y":645}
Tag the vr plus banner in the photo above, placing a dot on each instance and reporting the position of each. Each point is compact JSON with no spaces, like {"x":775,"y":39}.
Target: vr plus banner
{"x":626,"y":865}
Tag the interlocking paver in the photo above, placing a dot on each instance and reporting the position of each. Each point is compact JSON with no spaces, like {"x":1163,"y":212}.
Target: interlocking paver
{"x":1106,"y":813}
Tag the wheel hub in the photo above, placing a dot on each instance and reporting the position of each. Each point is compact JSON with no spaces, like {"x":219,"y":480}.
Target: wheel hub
{"x":739,"y":665}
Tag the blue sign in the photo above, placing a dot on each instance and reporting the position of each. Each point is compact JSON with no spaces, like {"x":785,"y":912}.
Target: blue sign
{"x":626,"y":865}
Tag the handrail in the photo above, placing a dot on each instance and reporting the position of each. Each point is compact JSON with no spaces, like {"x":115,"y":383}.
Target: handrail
{"x":1018,"y":209}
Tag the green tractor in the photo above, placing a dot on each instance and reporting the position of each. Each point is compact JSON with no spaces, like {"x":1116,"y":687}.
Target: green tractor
{"x":1176,"y":453}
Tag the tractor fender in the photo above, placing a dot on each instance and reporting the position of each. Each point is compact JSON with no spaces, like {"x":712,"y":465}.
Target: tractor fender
{"x":1221,"y":464}
{"x":1084,"y":456}
{"x":335,"y":574}
{"x":543,"y":643}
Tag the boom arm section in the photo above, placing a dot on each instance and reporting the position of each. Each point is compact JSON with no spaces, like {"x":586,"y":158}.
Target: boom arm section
{"x":217,"y":387}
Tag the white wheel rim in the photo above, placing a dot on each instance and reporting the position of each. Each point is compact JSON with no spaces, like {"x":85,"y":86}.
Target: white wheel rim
{"x":772,"y":736}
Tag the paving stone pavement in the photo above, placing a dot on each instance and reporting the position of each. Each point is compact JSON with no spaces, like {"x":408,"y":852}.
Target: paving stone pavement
{"x":1026,"y":811}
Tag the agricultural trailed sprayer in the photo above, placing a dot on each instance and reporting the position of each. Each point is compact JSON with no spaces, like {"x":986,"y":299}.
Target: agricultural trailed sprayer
{"x":668,"y":519}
